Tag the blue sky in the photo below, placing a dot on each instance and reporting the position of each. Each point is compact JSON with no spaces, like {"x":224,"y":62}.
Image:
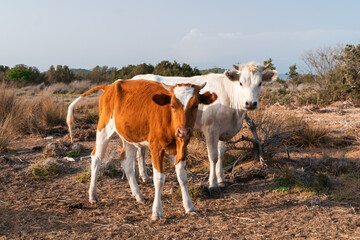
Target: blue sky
{"x":202,"y":33}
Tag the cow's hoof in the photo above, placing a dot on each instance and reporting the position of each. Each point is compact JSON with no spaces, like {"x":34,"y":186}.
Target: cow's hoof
{"x":141,"y":200}
{"x":192,"y":213}
{"x":155,"y":218}
{"x":93,"y":201}
{"x":214,"y":189}
{"x":222,"y":184}
{"x":145,"y":179}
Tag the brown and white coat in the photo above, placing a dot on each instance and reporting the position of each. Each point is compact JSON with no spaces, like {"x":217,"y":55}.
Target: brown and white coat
{"x":146,"y":113}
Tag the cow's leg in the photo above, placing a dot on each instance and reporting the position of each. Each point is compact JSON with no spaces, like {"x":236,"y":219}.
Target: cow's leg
{"x":102,"y":139}
{"x":212,"y":139}
{"x":182,"y":178}
{"x":142,"y":165}
{"x":219,"y":169}
{"x":129,"y":168}
{"x":157,"y":156}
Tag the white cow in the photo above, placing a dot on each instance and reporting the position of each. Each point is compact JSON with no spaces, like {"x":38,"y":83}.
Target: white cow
{"x":238,"y":91}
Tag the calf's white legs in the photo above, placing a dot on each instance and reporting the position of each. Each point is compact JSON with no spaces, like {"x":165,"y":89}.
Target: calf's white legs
{"x":142,"y":166}
{"x":102,"y":139}
{"x":219,"y":169}
{"x":129,"y":168}
{"x":159,"y":181}
{"x":182,"y":178}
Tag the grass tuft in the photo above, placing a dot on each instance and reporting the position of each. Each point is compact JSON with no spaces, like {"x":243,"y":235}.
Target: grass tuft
{"x":85,"y":176}
{"x":73,"y":154}
{"x":42,"y":170}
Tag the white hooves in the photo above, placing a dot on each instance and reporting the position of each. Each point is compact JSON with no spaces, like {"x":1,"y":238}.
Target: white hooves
{"x":145,"y":179}
{"x":155,"y":218}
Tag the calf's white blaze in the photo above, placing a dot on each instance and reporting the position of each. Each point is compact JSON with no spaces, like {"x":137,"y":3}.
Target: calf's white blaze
{"x":184,"y":94}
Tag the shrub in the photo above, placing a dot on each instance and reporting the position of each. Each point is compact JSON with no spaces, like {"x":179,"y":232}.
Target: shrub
{"x":43,"y":170}
{"x":323,"y":181}
{"x":311,"y":136}
{"x":73,"y":154}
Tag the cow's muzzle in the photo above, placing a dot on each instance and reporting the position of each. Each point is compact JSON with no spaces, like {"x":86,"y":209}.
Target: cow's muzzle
{"x":250,"y":105}
{"x":184,"y":132}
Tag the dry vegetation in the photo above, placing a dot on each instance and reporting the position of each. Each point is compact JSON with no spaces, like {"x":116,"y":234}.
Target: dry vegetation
{"x":309,"y":187}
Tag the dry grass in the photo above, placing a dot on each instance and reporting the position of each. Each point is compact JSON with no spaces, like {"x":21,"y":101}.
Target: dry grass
{"x":6,"y":133}
{"x":312,"y":136}
{"x":53,"y":112}
{"x":277,"y":122}
{"x":25,"y":115}
{"x":75,"y":87}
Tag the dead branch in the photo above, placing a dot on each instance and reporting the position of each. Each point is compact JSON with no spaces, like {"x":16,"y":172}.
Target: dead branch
{"x":272,"y":141}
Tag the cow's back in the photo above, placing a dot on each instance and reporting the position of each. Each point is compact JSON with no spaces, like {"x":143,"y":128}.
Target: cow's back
{"x":135,"y":114}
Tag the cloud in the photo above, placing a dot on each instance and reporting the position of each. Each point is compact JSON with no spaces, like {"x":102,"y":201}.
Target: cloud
{"x":193,"y":34}
{"x":285,"y":48}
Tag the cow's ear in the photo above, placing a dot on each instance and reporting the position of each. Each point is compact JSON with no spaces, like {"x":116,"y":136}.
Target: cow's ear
{"x":207,"y":98}
{"x":161,"y":99}
{"x":269,"y":76}
{"x":232,"y":75}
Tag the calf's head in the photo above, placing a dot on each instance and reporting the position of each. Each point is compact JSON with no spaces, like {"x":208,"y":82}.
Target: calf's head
{"x":250,"y":78}
{"x":183,"y":100}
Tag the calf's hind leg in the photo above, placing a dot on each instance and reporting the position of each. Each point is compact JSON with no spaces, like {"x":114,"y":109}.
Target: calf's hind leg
{"x":129,"y":168}
{"x":142,"y":166}
{"x":102,"y":140}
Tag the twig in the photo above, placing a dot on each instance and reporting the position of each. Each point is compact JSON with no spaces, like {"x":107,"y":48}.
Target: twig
{"x":244,"y":218}
{"x":98,"y":224}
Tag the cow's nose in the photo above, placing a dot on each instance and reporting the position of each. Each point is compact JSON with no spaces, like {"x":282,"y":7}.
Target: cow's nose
{"x":183,"y":132}
{"x":250,"y":105}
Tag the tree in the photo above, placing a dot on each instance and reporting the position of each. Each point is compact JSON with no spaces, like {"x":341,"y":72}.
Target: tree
{"x":292,"y":72}
{"x":63,"y":74}
{"x":322,"y":62}
{"x":271,"y":66}
{"x":350,"y":65}
{"x":51,"y":75}
{"x":18,"y":75}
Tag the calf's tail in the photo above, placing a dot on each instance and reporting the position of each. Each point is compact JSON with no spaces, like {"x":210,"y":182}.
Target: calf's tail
{"x":70,"y":115}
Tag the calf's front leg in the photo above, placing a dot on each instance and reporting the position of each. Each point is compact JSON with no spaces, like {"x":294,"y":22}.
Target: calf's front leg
{"x":182,"y":178}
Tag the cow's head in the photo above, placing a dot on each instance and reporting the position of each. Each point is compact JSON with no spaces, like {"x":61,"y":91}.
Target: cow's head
{"x":183,"y":100}
{"x":250,"y":78}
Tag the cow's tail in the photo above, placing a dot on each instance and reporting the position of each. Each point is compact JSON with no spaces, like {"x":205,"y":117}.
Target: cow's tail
{"x":70,"y":115}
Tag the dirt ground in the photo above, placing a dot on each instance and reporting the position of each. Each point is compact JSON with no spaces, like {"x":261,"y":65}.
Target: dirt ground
{"x":57,"y":207}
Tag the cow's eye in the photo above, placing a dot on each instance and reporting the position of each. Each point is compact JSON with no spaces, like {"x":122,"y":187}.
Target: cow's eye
{"x":240,"y":84}
{"x":260,"y":84}
{"x":172,"y":107}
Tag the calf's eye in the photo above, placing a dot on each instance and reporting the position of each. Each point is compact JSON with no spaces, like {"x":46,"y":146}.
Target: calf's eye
{"x":260,"y":84}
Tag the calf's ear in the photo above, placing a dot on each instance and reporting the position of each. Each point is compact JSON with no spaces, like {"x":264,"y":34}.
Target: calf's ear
{"x":269,"y":76}
{"x":161,"y":99}
{"x":207,"y":98}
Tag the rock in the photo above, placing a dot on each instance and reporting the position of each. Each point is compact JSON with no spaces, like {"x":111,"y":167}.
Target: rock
{"x":77,"y":147}
{"x":49,"y":138}
{"x":50,"y":161}
{"x":54,"y":149}
{"x":69,"y":159}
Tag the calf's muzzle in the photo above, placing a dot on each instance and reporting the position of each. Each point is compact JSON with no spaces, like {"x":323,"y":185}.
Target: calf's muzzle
{"x":184,"y":132}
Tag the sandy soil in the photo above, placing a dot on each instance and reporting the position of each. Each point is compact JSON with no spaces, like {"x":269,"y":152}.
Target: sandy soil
{"x":57,"y":207}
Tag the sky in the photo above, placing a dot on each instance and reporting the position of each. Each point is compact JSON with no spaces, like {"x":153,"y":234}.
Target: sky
{"x":202,"y":33}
